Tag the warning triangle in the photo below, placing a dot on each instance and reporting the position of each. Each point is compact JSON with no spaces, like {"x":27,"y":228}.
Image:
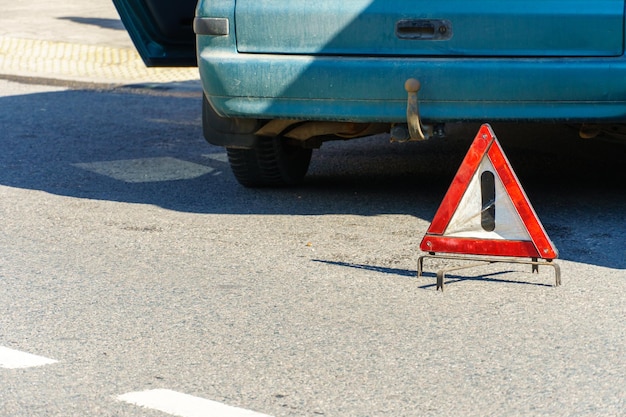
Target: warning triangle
{"x":486,"y":211}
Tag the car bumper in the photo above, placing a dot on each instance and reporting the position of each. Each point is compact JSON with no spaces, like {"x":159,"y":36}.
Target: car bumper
{"x":368,"y":89}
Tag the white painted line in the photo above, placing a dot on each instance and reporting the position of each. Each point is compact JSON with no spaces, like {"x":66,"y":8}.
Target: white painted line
{"x":219,"y":156}
{"x":184,"y":405}
{"x":147,"y":169}
{"x":13,"y":359}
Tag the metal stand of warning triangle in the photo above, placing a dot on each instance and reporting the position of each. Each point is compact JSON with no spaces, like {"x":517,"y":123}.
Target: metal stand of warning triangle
{"x":486,"y":217}
{"x":481,"y":261}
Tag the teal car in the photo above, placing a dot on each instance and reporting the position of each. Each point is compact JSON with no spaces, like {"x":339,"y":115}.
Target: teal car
{"x":282,"y":77}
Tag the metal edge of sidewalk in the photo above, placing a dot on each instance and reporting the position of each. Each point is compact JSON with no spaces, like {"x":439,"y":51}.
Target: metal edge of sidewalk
{"x":82,"y":65}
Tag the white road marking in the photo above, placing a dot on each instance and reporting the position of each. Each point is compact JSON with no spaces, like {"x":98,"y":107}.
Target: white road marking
{"x":219,"y":156}
{"x":147,"y":169}
{"x":13,"y":359}
{"x":184,"y":405}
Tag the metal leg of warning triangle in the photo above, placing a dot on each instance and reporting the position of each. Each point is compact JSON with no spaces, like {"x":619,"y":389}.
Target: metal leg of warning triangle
{"x":480,"y":261}
{"x":557,"y":272}
{"x":441,"y":274}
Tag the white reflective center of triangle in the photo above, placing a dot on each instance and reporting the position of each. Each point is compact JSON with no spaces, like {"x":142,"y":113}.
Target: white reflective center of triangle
{"x":466,"y":220}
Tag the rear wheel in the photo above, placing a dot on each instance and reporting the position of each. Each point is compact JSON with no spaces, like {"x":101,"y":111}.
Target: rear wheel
{"x":272,"y":162}
{"x":256,"y":161}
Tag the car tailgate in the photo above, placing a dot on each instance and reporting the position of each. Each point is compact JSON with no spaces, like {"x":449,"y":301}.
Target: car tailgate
{"x":532,"y":28}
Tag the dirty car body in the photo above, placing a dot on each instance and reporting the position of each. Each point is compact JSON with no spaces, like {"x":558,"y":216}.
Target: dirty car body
{"x":281,"y":77}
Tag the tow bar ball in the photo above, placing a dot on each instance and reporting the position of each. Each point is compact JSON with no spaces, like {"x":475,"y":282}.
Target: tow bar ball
{"x":416,"y":130}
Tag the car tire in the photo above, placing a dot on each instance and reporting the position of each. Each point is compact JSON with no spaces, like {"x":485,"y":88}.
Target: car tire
{"x":256,"y":161}
{"x":271,"y":163}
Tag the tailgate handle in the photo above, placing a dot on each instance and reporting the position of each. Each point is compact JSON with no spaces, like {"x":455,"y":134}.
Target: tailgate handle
{"x":424,"y":29}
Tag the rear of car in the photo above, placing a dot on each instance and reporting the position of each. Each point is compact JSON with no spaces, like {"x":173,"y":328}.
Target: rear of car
{"x":476,"y":60}
{"x":281,"y":77}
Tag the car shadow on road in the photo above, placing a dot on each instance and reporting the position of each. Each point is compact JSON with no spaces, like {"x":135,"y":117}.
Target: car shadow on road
{"x":145,"y":146}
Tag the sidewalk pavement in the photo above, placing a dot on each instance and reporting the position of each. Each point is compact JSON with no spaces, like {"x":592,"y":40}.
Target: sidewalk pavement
{"x":74,"y":41}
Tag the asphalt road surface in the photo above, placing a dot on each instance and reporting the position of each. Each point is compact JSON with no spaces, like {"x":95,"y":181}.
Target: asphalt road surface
{"x":137,"y":278}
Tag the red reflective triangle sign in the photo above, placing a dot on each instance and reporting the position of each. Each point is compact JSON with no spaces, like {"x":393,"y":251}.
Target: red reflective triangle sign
{"x":486,"y":211}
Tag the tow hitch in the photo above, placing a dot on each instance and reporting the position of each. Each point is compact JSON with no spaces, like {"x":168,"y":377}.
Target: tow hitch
{"x":414,"y":130}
